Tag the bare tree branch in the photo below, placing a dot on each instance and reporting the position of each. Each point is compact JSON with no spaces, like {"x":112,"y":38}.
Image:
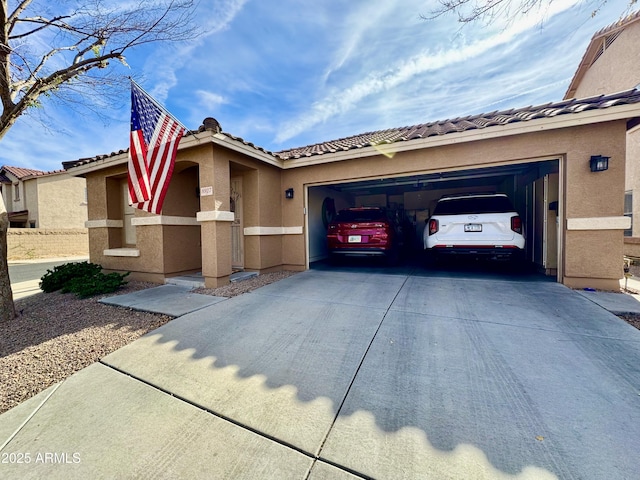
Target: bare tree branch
{"x":487,"y":11}
{"x":81,"y":40}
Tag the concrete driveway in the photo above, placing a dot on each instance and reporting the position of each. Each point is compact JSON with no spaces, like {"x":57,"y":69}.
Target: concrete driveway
{"x":353,"y":373}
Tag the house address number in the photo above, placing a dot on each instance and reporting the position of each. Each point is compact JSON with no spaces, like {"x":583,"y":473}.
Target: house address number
{"x":206,"y":191}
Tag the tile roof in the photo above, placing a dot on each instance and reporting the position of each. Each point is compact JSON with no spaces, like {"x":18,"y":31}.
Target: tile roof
{"x":20,"y":172}
{"x":484,"y":120}
{"x":438,"y":128}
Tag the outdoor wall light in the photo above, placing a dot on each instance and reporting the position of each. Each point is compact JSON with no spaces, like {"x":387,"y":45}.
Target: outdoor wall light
{"x":288,"y":193}
{"x":598,"y":163}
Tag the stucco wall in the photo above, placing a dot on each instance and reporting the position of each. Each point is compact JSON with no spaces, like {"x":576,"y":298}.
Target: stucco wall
{"x":617,"y":69}
{"x":26,"y":243}
{"x":31,"y":204}
{"x":61,"y":201}
{"x":586,"y":194}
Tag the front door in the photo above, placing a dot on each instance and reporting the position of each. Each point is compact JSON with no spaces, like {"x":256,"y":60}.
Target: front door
{"x":237,"y":229}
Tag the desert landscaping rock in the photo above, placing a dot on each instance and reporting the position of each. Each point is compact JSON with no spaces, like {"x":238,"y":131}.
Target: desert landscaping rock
{"x":56,"y":335}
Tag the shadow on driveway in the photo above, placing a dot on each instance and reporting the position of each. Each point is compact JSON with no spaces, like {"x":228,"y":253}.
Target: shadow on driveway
{"x":361,"y":364}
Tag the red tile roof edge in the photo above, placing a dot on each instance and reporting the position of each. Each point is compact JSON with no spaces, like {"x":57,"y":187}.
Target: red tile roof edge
{"x":22,"y":173}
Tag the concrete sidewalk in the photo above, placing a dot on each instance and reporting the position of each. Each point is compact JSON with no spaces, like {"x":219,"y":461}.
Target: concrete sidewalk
{"x":25,"y":289}
{"x":352,"y":374}
{"x":172,"y":300}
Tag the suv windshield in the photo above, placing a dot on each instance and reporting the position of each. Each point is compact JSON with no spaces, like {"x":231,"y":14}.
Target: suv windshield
{"x":473,"y":205}
{"x":368,"y":215}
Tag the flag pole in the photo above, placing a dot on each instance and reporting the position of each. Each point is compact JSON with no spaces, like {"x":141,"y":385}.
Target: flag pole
{"x":155,"y":102}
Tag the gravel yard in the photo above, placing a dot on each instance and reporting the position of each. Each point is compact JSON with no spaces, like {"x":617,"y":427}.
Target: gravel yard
{"x":55,"y":335}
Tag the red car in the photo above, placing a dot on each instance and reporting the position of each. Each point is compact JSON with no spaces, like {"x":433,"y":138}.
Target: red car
{"x":363,"y":231}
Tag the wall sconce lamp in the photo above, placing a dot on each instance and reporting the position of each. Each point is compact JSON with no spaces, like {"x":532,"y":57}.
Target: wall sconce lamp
{"x":598,"y":163}
{"x":288,"y":193}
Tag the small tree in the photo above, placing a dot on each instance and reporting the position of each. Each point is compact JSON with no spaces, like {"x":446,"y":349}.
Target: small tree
{"x":50,"y":48}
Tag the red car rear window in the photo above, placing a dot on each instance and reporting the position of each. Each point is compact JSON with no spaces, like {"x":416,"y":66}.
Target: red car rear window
{"x":367,"y":215}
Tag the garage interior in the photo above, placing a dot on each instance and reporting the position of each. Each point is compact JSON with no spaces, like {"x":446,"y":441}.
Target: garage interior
{"x":533,"y":188}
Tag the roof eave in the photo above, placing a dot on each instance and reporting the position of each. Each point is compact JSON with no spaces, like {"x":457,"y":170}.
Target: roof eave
{"x":189,"y":141}
{"x":622,"y":112}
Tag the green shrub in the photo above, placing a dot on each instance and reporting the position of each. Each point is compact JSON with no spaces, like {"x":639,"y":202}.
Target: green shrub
{"x":57,"y":278}
{"x":85,"y":287}
{"x":84,"y":279}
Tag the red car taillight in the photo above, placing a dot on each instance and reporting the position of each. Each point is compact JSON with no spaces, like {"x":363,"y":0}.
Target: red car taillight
{"x":516,"y":224}
{"x":433,"y":226}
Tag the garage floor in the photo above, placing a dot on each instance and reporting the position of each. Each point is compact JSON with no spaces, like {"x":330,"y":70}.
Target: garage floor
{"x":356,"y":372}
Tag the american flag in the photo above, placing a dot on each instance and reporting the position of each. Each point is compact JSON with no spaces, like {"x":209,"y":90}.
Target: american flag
{"x":155,"y":136}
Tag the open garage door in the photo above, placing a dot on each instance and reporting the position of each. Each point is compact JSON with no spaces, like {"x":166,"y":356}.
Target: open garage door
{"x":532,"y":187}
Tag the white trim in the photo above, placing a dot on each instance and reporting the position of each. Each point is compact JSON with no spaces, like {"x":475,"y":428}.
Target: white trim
{"x":163,"y":220}
{"x":273,"y":230}
{"x":599,"y":223}
{"x":215,"y":216}
{"x":104,"y":223}
{"x":118,"y":159}
{"x":121,"y":252}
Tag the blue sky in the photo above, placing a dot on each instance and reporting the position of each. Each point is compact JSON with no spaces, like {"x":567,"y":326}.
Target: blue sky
{"x":288,"y":73}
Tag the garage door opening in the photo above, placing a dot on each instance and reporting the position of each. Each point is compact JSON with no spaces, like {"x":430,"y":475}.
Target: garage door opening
{"x":533,"y":188}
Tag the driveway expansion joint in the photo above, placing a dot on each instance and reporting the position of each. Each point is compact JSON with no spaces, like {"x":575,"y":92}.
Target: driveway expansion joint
{"x":355,"y":375}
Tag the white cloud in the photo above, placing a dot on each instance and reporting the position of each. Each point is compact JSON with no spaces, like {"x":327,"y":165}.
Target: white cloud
{"x":365,"y":18}
{"x":341,"y":101}
{"x":209,"y":100}
{"x":218,"y":16}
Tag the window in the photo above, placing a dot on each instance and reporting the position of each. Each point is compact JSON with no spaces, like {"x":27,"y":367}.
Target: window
{"x":628,"y":211}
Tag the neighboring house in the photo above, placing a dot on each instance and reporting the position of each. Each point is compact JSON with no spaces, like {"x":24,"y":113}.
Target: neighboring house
{"x":37,"y":199}
{"x":233,"y":205}
{"x":610,"y":64}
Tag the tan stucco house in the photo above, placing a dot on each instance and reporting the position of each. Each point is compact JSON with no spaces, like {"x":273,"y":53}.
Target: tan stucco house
{"x":38,"y":199}
{"x":611,"y":63}
{"x":232,"y":205}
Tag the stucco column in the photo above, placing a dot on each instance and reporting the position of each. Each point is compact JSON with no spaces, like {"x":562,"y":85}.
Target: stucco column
{"x":215,"y":220}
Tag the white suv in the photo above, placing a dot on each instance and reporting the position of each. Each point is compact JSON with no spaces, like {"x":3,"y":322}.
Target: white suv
{"x":484,"y":225}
